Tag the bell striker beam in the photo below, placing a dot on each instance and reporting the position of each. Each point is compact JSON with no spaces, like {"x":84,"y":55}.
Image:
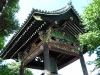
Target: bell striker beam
{"x":82,"y":61}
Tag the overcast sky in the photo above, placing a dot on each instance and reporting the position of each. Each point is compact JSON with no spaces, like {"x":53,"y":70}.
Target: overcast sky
{"x":26,"y":7}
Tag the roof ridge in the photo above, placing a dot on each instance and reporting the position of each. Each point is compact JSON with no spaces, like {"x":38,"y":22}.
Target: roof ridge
{"x":55,"y":12}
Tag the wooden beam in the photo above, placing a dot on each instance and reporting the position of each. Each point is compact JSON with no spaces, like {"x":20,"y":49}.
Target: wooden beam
{"x":33,"y":50}
{"x":82,"y":61}
{"x":31,"y":57}
{"x":63,"y":51}
{"x":58,"y":43}
{"x":34,"y":41}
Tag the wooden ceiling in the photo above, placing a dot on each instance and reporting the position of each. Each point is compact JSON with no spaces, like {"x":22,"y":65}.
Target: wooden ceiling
{"x":62,"y":59}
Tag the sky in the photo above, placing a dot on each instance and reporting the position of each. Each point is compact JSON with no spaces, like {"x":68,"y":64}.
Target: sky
{"x":25,"y":8}
{"x":27,"y":5}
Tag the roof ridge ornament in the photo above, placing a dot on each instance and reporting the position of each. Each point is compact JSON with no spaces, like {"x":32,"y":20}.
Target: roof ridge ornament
{"x":69,"y":3}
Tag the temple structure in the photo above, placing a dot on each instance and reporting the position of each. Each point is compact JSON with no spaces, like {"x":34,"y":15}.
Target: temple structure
{"x":47,"y":41}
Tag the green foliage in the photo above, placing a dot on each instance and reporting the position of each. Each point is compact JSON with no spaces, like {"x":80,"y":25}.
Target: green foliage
{"x":1,"y":42}
{"x":91,"y":22}
{"x":91,"y":39}
{"x":8,"y":22}
{"x":12,"y":69}
{"x":91,"y":16}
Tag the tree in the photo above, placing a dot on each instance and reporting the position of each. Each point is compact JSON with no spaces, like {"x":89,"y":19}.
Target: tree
{"x":12,"y":69}
{"x":91,"y":22}
{"x":8,"y":22}
{"x":1,"y":42}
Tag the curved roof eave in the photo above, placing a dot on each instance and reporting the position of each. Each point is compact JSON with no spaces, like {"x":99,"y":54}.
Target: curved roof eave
{"x":55,"y":12}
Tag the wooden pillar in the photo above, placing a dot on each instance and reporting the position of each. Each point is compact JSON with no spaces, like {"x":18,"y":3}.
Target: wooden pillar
{"x":21,"y":69}
{"x":85,"y":72}
{"x":46,"y":60}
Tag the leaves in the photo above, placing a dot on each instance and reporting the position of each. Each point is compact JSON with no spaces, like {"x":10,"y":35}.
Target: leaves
{"x":12,"y":69}
{"x":91,"y":39}
{"x":91,"y":22}
{"x":8,"y":22}
{"x":2,"y":39}
{"x":91,"y":16}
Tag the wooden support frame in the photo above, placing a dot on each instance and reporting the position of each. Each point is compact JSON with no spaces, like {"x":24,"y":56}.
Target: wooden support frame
{"x":38,"y":52}
{"x":62,"y":51}
{"x":26,"y":59}
{"x":32,"y":43}
{"x":69,"y":52}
